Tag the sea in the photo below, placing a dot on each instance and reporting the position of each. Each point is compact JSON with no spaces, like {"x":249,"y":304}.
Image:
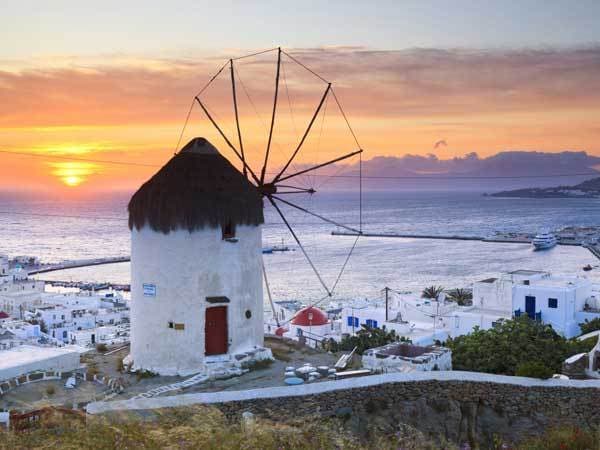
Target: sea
{"x":59,"y":229}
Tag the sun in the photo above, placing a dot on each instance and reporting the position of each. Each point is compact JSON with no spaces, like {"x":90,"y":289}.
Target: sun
{"x":73,"y":174}
{"x":72,"y":180}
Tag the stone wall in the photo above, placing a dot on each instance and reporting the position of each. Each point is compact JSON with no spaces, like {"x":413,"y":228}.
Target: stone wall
{"x":460,"y":406}
{"x":458,"y":410}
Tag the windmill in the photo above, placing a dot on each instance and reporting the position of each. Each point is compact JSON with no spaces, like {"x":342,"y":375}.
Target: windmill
{"x":279,"y":183}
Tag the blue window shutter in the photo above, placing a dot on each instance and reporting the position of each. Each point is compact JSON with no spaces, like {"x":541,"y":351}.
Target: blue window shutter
{"x":369,"y":323}
{"x":374,"y":324}
{"x":356,"y":322}
{"x":350,"y":321}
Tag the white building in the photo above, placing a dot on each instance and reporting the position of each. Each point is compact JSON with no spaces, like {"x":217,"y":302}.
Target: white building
{"x":26,"y":359}
{"x":423,"y":321}
{"x":311,"y":326}
{"x":196,"y":266}
{"x":109,"y":335}
{"x":404,"y":358}
{"x":18,"y":292}
{"x":62,"y":314}
{"x":562,"y":302}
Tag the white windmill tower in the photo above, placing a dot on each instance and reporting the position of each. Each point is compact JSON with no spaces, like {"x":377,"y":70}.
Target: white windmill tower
{"x":196,"y":257}
{"x":196,"y":266}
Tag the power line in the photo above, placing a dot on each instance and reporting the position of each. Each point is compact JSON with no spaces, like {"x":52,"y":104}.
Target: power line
{"x":73,"y":158}
{"x":64,"y":216}
{"x":374,"y":177}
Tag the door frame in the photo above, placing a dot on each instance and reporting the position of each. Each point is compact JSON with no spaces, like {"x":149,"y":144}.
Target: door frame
{"x":530,"y":306}
{"x":226,"y":330}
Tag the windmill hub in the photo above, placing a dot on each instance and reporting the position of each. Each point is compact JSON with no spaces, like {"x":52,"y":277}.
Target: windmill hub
{"x":268,"y":189}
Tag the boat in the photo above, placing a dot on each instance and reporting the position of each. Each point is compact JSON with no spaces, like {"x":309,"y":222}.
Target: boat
{"x":277,"y":248}
{"x":544,"y":240}
{"x":587,"y":268}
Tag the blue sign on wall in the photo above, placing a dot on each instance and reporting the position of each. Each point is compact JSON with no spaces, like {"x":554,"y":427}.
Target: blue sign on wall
{"x":149,"y":290}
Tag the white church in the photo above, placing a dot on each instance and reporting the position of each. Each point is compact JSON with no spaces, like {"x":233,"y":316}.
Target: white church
{"x":196,"y":266}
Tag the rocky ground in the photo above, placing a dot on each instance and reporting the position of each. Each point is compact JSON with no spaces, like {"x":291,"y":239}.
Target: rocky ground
{"x":107,"y":364}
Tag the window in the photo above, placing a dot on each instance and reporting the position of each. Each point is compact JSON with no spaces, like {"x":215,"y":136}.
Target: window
{"x":552,"y":303}
{"x":371,"y":323}
{"x":228,"y":230}
{"x":353,"y":321}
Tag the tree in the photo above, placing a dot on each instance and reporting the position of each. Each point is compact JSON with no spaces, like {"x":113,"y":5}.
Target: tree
{"x":511,"y":344}
{"x":463,"y":297}
{"x":364,"y":339}
{"x":590,"y":325}
{"x":432,"y":292}
{"x":534,"y":369}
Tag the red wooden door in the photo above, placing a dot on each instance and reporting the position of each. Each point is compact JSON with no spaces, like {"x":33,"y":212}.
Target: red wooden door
{"x":216,"y":330}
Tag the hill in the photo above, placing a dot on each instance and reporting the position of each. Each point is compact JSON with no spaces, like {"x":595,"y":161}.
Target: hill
{"x":586,"y":189}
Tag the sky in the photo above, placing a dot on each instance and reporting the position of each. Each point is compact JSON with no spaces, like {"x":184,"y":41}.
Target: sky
{"x":113,"y":81}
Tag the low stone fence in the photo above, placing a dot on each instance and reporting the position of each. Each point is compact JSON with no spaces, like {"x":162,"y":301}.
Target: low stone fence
{"x":31,"y":377}
{"x":458,"y":405}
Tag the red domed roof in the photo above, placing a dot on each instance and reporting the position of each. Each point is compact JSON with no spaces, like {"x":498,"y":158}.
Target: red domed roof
{"x":310,"y":316}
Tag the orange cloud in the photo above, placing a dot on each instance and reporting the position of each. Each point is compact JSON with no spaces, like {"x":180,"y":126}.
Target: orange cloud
{"x":132,"y":109}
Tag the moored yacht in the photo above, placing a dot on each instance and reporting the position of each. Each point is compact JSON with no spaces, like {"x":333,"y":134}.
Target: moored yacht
{"x":544,"y":240}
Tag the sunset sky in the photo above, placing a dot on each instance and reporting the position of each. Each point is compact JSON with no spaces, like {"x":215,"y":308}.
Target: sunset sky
{"x":86,"y":82}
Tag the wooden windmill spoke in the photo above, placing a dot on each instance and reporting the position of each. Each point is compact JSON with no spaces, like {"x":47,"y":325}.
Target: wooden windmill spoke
{"x":237,"y":118}
{"x":308,"y":128}
{"x":231,"y":146}
{"x":333,"y":161}
{"x":318,"y":216}
{"x":287,"y":224}
{"x":264,"y":168}
{"x":303,"y":191}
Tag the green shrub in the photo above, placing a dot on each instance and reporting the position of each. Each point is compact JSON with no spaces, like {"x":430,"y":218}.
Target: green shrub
{"x":364,"y":339}
{"x":504,"y":348}
{"x":282,"y":354}
{"x":590,"y":325}
{"x":101,"y":348}
{"x":534,"y":369}
{"x":142,"y":374}
{"x":258,"y":364}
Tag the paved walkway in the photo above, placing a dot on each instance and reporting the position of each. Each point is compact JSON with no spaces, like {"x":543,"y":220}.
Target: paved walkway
{"x":196,"y":379}
{"x":328,"y":386}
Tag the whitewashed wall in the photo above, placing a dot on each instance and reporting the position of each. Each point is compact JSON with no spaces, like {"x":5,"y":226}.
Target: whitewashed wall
{"x":186,"y":268}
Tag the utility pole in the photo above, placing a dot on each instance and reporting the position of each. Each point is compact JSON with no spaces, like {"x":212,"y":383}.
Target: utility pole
{"x":387,"y":292}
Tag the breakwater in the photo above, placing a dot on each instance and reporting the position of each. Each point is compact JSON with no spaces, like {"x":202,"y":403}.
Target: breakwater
{"x":499,"y":239}
{"x":45,"y":268}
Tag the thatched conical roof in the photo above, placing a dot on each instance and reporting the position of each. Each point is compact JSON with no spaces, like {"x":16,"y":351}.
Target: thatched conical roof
{"x":198,"y":187}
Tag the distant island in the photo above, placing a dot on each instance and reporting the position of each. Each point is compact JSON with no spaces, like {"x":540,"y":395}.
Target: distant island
{"x":587,"y":189}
